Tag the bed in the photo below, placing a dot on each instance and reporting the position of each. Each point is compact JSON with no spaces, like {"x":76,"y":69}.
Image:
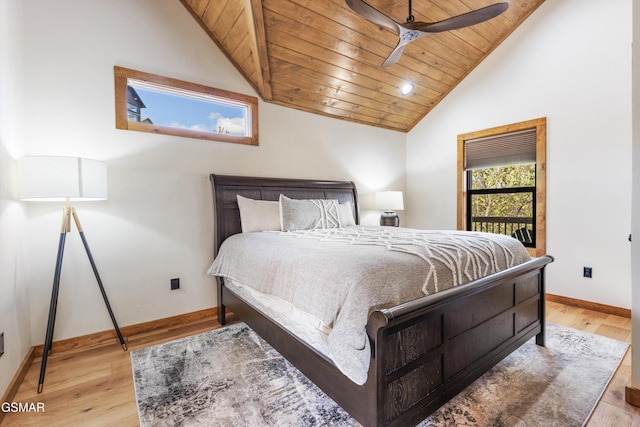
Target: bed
{"x":421,"y":352}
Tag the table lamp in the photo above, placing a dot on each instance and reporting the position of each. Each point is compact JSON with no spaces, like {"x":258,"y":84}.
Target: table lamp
{"x":55,"y":179}
{"x":389,"y":201}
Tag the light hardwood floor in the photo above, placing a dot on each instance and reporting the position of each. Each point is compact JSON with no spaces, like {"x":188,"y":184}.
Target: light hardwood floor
{"x":94,"y":386}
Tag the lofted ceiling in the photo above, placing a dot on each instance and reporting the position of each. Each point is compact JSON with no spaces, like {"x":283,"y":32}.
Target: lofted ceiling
{"x":322,"y":57}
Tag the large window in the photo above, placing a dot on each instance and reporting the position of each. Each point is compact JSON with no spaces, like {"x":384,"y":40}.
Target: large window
{"x":501,"y":182}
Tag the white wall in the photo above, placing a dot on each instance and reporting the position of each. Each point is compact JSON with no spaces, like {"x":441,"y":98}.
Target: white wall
{"x":635,"y":220}
{"x":14,"y":302}
{"x":569,"y":62}
{"x":157,"y":223}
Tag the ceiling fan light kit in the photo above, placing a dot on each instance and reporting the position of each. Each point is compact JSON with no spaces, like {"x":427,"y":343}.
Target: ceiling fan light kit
{"x":410,"y":30}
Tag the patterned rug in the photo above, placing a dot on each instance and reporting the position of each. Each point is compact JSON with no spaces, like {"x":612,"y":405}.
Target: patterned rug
{"x":231,"y":377}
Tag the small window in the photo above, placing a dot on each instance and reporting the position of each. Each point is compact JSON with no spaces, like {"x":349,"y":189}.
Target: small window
{"x":502,"y":184}
{"x":149,"y":103}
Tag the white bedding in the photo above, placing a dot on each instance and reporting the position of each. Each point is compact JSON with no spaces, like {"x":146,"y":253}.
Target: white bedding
{"x":301,"y":324}
{"x":339,"y":276}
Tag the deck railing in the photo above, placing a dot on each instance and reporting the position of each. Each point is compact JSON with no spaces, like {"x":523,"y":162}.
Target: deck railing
{"x":518,"y":227}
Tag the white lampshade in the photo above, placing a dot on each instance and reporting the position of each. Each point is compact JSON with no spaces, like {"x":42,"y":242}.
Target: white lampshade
{"x":52,"y":178}
{"x":389,"y":200}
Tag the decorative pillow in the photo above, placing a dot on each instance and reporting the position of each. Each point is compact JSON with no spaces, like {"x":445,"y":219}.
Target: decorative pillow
{"x":258,"y":215}
{"x":308,"y":214}
{"x":346,"y":214}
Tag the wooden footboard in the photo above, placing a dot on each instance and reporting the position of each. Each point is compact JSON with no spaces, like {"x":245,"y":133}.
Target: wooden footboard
{"x":427,"y":351}
{"x":423,"y":352}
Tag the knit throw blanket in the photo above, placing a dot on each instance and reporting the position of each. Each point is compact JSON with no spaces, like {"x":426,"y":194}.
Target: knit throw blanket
{"x":466,"y":256}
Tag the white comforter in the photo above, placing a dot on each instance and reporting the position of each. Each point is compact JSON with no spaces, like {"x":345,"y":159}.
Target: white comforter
{"x":339,"y":276}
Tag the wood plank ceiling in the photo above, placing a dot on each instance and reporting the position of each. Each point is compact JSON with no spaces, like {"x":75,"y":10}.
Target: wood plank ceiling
{"x":320,"y":56}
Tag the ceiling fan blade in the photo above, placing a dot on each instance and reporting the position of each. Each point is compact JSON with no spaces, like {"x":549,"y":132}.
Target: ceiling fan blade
{"x":373,"y":15}
{"x":461,"y":21}
{"x":395,"y":54}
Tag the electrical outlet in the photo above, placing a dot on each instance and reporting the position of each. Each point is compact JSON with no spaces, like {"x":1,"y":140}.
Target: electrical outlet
{"x":587,"y":272}
{"x":1,"y":343}
{"x":175,"y":284}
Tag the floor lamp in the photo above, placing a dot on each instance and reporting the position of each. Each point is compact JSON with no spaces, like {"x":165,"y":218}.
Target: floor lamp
{"x":50,"y":178}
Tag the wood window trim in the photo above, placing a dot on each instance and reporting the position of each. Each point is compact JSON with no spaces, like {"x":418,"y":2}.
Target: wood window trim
{"x":122,"y":75}
{"x":541,"y":176}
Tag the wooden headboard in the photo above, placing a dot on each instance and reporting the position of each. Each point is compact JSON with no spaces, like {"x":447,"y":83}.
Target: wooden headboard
{"x":226,"y":188}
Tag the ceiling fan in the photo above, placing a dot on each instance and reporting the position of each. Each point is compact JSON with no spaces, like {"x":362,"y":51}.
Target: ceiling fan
{"x":411,"y":30}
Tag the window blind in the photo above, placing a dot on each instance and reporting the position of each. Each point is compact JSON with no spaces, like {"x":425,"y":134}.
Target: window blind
{"x":501,"y":150}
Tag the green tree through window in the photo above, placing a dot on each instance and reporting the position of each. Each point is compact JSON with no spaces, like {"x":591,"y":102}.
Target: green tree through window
{"x":502,"y":200}
{"x":516,"y":204}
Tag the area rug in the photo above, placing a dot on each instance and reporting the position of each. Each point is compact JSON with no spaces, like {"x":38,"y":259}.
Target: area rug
{"x":231,"y":377}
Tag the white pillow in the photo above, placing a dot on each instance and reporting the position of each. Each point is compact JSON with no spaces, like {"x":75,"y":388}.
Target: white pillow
{"x":308,"y":214}
{"x":258,"y":215}
{"x":346,"y":214}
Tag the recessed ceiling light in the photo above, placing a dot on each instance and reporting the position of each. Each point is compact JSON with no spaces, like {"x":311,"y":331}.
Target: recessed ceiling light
{"x":406,"y":88}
